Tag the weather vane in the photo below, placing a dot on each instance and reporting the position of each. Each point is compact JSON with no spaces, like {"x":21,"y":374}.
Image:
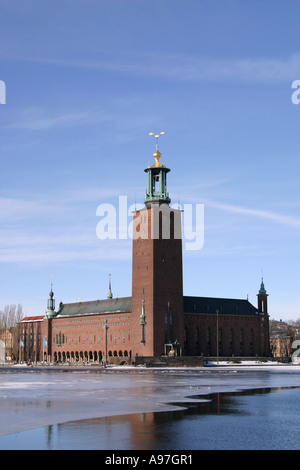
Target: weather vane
{"x":157,"y":136}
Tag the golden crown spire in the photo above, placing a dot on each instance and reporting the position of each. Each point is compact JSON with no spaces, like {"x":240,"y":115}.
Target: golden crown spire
{"x":157,"y":153}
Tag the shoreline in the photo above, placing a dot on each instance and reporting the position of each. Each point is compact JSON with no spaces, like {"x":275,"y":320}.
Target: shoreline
{"x":112,"y":367}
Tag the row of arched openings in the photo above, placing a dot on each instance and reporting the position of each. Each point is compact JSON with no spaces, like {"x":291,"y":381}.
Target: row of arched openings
{"x":87,"y":356}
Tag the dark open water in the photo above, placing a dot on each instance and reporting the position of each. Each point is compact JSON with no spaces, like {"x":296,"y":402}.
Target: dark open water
{"x":265,"y":419}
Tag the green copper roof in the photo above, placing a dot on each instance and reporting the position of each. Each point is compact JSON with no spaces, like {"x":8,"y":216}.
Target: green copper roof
{"x":122,"y":305}
{"x":262,"y":289}
{"x":157,"y":181}
{"x":50,"y":313}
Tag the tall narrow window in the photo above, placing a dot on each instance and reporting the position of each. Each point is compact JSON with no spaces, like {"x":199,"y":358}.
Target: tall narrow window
{"x":241,"y":341}
{"x":220,"y":341}
{"x":172,"y":225}
{"x":171,"y":326}
{"x":186,"y":345}
{"x":208,"y":341}
{"x":197,"y":341}
{"x":231,"y":341}
{"x":251,"y":341}
{"x":166,"y":327}
{"x":157,"y":183}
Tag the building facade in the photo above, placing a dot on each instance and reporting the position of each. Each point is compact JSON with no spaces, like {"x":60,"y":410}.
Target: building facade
{"x":157,"y":319}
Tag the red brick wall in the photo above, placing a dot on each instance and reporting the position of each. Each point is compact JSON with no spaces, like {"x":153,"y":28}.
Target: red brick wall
{"x":84,"y":338}
{"x":238,"y":335}
{"x":156,"y":279}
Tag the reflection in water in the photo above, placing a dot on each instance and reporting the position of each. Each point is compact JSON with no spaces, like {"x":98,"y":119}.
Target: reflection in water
{"x":216,"y":421}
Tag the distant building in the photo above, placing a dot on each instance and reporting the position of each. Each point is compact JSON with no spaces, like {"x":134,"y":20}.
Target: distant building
{"x":281,"y":339}
{"x":2,"y":352}
{"x":157,"y":319}
{"x":7,"y":338}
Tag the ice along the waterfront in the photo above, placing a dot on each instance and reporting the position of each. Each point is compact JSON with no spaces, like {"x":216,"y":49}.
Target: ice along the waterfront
{"x":47,"y":409}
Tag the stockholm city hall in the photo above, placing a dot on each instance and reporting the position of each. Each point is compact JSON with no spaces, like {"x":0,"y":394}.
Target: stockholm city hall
{"x":157,"y":322}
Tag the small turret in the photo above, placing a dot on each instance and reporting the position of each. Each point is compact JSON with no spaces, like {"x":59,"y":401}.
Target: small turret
{"x":262,"y":298}
{"x":157,"y":179}
{"x":50,"y":305}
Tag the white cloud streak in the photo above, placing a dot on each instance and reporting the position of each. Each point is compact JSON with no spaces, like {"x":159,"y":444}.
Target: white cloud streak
{"x":267,"y":215}
{"x":192,"y":68}
{"x":24,"y":238}
{"x":35,"y":119}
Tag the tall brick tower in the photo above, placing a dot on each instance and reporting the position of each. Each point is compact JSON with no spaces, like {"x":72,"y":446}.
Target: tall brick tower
{"x":157,"y":294}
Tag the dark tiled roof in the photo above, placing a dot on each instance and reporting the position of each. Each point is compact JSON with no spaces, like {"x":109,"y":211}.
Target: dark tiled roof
{"x":122,"y":305}
{"x":206,"y":305}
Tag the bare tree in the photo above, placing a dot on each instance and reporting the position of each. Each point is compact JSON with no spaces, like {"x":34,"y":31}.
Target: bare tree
{"x":9,"y":318}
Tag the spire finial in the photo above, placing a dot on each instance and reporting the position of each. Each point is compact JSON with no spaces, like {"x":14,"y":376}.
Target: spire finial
{"x":157,"y":136}
{"x":262,"y":289}
{"x":157,"y":153}
{"x":51,"y":294}
{"x":109,"y":294}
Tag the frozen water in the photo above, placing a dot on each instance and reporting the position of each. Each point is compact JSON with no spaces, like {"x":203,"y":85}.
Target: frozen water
{"x":31,"y":399}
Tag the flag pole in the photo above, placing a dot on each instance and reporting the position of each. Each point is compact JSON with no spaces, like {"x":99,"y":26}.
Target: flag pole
{"x":217,"y":336}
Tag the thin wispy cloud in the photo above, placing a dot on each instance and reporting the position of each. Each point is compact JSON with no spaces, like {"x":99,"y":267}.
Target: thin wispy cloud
{"x":40,"y":254}
{"x":190,"y":68}
{"x":37,"y":119}
{"x":41,"y":230}
{"x":18,"y":208}
{"x":267,"y":215}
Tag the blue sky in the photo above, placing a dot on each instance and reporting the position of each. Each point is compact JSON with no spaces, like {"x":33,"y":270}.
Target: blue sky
{"x":87,"y":80}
